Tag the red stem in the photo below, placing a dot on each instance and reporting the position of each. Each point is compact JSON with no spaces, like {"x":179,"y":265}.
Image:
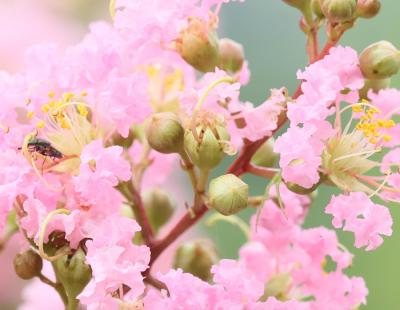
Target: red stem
{"x":238,"y":167}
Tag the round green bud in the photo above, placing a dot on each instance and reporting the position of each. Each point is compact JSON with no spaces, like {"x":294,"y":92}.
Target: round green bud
{"x":231,"y":55}
{"x":207,"y":150}
{"x":277,"y":286}
{"x":368,"y":8}
{"x":73,"y":272}
{"x":28,"y":264}
{"x":196,"y":257}
{"x":316,"y":8}
{"x":380,"y":60}
{"x":374,"y":85}
{"x":159,"y":207}
{"x":228,"y":194}
{"x":299,"y":4}
{"x":265,"y":156}
{"x":339,"y":11}
{"x":164,"y":132}
{"x":198,"y":45}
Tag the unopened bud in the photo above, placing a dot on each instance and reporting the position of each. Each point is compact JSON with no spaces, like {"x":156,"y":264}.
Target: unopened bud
{"x":339,"y":11}
{"x":196,"y":257}
{"x":297,"y":189}
{"x":368,"y":8}
{"x":374,"y":85}
{"x":28,"y":264}
{"x":198,"y":45}
{"x":231,"y":55}
{"x":159,"y":207}
{"x":380,"y":60}
{"x":164,"y":132}
{"x":299,"y":4}
{"x":228,"y":194}
{"x":316,"y":8}
{"x":207,"y":149}
{"x":73,"y":272}
{"x":277,"y":286}
{"x":265,"y":156}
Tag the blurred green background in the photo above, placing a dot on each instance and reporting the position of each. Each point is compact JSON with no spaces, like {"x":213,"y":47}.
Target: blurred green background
{"x":274,"y":47}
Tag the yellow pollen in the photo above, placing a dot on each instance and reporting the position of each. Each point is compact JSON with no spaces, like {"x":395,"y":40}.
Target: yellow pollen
{"x":30,"y":114}
{"x":82,"y":110}
{"x":387,"y":138}
{"x":51,"y":94}
{"x":40,"y":124}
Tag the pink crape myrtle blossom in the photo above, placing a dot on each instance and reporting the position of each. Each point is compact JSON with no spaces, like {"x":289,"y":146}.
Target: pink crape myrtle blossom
{"x":114,"y":261}
{"x":368,"y":221}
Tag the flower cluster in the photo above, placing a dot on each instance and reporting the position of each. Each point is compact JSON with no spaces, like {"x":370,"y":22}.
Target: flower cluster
{"x":89,"y":134}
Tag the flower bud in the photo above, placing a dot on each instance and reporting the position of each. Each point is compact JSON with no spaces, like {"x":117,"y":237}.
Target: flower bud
{"x":159,"y":207}
{"x":374,"y":85}
{"x":28,"y":264}
{"x":228,"y":194}
{"x":198,"y":45}
{"x":231,"y":55}
{"x":316,"y":8}
{"x":207,"y":149}
{"x":265,"y":156}
{"x":368,"y":8}
{"x":73,"y":272}
{"x":164,"y":132}
{"x":339,"y":11}
{"x":196,"y":257}
{"x":299,"y":4}
{"x":380,"y":60}
{"x":277,"y":286}
{"x":297,"y":189}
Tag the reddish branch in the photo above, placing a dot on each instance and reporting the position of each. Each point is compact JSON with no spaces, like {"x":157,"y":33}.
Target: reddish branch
{"x":238,"y":167}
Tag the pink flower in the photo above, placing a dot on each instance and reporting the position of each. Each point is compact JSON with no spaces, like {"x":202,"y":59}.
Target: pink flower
{"x":322,"y":84}
{"x":114,"y":261}
{"x":357,"y":213}
{"x":261,"y":121}
{"x":100,"y":170}
{"x":300,"y":150}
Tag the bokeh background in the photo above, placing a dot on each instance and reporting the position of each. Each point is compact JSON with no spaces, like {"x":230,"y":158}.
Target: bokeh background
{"x":274,"y":47}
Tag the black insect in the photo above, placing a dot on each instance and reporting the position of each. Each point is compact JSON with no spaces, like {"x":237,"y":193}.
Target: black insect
{"x":44,"y":148}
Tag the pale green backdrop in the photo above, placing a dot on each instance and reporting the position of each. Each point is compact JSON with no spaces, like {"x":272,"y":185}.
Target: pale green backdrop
{"x":274,"y":47}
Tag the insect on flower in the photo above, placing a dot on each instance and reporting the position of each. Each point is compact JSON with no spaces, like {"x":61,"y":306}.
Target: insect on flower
{"x":43,"y":147}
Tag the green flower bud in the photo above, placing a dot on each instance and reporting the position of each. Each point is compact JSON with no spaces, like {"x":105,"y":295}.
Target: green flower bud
{"x":368,"y":8}
{"x":228,"y":194}
{"x":277,"y":286}
{"x":74,"y":274}
{"x":299,"y":4}
{"x":380,"y":60}
{"x":196,"y":257}
{"x":28,"y":264}
{"x":297,"y":189}
{"x":339,"y":11}
{"x":208,"y":150}
{"x":316,"y":8}
{"x":231,"y":55}
{"x":159,"y":207}
{"x":265,"y":156}
{"x":198,"y":45}
{"x":164,"y":132}
{"x":374,"y":85}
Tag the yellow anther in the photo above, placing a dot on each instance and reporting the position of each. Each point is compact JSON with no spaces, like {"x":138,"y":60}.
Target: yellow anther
{"x":389,"y":124}
{"x":364,"y":118}
{"x":67,"y":96}
{"x":387,"y":138}
{"x":82,"y":110}
{"x":51,"y":94}
{"x":30,"y":114}
{"x":45,"y":108}
{"x":357,"y":109}
{"x":84,"y":93}
{"x":373,"y":140}
{"x":40,"y":124}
